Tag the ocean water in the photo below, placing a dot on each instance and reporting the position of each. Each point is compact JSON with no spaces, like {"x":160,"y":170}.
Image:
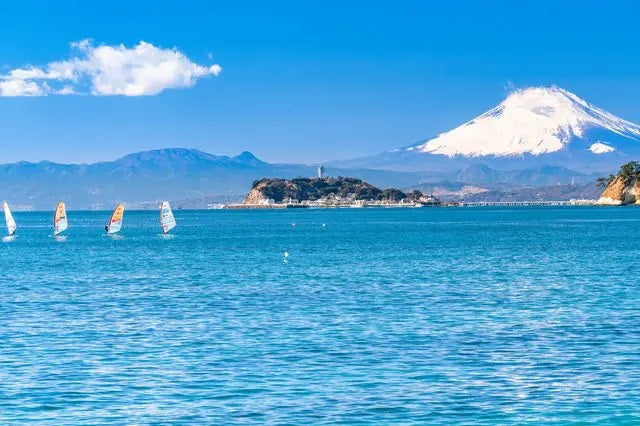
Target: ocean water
{"x":438,"y":316}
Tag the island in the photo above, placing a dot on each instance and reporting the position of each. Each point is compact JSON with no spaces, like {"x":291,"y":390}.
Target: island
{"x":328,"y":192}
{"x":622,"y":188}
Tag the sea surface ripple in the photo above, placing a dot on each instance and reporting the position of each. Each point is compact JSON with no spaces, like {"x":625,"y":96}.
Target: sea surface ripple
{"x":412,"y":316}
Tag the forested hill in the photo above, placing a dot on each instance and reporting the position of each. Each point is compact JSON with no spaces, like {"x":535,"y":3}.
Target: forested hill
{"x":310,"y":189}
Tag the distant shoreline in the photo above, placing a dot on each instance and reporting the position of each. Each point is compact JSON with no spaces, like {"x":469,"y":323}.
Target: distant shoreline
{"x":446,"y":204}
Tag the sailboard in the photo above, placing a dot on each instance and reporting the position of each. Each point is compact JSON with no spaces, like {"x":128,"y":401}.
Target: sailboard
{"x":11,"y":223}
{"x":167,"y":220}
{"x":115,"y":223}
{"x":60,"y":219}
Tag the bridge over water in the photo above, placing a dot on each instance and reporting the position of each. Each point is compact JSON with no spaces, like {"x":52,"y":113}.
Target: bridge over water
{"x":526,"y":203}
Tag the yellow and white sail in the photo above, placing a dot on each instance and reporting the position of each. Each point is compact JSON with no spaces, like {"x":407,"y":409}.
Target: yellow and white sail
{"x":115,"y":223}
{"x":60,"y":219}
{"x":8,"y":217}
{"x":167,"y":221}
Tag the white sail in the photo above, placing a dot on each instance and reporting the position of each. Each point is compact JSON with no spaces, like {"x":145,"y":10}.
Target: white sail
{"x":167,"y":221}
{"x":60,"y":219}
{"x":115,"y":223}
{"x":11,"y":223}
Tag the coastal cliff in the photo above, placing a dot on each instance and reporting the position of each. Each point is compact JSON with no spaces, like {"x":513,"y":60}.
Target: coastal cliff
{"x":306,"y":189}
{"x":623,"y":188}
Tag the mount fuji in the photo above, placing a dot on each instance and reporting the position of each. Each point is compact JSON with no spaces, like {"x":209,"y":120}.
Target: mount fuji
{"x":532,"y":128}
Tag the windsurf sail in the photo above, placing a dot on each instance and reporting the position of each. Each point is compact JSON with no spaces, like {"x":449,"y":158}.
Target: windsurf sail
{"x":60,"y":219}
{"x":11,"y":223}
{"x":167,"y":221}
{"x":115,"y":223}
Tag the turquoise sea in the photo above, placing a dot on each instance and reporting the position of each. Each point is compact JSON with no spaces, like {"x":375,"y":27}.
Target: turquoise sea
{"x":438,"y":316}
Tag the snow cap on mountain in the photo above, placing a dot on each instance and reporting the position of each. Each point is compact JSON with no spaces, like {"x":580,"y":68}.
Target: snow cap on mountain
{"x":536,"y":120}
{"x":601,"y":148}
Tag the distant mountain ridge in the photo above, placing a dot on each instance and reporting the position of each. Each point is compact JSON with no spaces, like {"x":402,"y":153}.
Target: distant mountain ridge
{"x":185,"y":156}
{"x":535,"y":176}
{"x":195,"y":178}
{"x":542,"y":193}
{"x":163,"y":174}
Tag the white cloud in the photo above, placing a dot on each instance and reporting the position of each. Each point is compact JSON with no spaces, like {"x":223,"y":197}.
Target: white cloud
{"x":67,"y":90}
{"x":17,"y":87}
{"x":108,"y":70}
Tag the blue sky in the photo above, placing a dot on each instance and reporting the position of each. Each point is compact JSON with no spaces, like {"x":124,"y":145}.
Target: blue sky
{"x":309,"y":81}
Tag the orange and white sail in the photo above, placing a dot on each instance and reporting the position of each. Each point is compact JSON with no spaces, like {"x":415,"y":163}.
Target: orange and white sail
{"x":60,"y":219}
{"x":8,"y":217}
{"x":115,"y":223}
{"x":167,"y":220}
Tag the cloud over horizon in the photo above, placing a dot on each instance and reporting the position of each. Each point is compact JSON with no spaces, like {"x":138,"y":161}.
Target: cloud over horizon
{"x":103,"y":70}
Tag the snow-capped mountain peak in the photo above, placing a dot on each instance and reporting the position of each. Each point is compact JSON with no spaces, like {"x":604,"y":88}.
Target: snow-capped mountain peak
{"x":536,"y":120}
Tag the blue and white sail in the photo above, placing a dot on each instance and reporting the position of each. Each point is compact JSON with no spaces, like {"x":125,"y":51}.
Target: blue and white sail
{"x":11,"y":223}
{"x":167,"y":220}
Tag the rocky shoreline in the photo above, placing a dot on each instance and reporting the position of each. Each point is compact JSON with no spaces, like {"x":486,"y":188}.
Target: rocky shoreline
{"x":623,"y":188}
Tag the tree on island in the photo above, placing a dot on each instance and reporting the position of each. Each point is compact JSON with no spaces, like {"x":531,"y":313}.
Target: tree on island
{"x":391,"y":194}
{"x":629,"y":170}
{"x":627,"y":173}
{"x":604,"y":182}
{"x":415,"y":195}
